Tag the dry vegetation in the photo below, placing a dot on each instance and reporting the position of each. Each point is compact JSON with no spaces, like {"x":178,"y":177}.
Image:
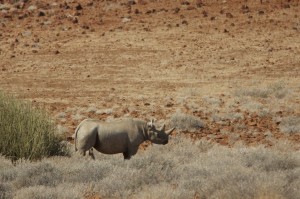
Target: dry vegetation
{"x":182,"y":169}
{"x":225,"y":73}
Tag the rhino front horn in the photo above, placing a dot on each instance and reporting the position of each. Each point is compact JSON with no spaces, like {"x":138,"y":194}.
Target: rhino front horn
{"x":170,"y":131}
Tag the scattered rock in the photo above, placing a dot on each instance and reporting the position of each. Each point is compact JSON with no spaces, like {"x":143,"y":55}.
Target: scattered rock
{"x":84,"y":26}
{"x":136,"y":11}
{"x":65,"y":6}
{"x":32,"y":8}
{"x":5,"y":6}
{"x":36,"y":39}
{"x":75,"y":20}
{"x":78,"y":7}
{"x":285,"y":6}
{"x":53,"y":4}
{"x":183,"y":2}
{"x":8,"y":16}
{"x":26,"y":33}
{"x":169,"y":104}
{"x":126,"y":19}
{"x":245,"y":9}
{"x":41,"y":13}
{"x":199,"y":3}
{"x":184,"y":22}
{"x":204,"y":13}
{"x":90,"y":3}
{"x":229,"y":15}
{"x":190,"y":8}
{"x":131,"y":2}
{"x":23,"y":16}
{"x":176,"y":10}
{"x":261,"y":12}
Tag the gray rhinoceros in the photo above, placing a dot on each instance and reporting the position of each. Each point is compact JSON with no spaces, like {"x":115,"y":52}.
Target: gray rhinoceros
{"x":120,"y":136}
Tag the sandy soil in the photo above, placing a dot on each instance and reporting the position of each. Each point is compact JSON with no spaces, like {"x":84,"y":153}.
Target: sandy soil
{"x":151,"y":59}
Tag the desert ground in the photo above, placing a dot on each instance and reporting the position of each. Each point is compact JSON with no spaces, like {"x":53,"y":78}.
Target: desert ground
{"x":216,"y":60}
{"x":233,"y":65}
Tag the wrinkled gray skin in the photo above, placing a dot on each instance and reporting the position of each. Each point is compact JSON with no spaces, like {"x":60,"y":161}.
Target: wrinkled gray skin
{"x":122,"y":136}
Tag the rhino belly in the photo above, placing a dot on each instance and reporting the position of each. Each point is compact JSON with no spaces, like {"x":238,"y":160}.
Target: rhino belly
{"x":112,"y":144}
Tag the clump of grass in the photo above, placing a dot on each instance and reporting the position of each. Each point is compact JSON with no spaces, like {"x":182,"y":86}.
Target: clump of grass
{"x":290,"y":124}
{"x":26,"y":132}
{"x":277,"y":90}
{"x":186,"y":122}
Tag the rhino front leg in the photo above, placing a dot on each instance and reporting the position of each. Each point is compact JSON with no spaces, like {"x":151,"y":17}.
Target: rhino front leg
{"x":126,"y":155}
{"x":131,"y":151}
{"x":86,"y":141}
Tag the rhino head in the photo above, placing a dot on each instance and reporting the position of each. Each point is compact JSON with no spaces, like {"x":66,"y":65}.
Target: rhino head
{"x":158,"y":136}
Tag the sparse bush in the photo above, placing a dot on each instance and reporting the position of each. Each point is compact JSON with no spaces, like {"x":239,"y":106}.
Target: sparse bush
{"x":26,"y":132}
{"x":186,"y":122}
{"x":290,"y":124}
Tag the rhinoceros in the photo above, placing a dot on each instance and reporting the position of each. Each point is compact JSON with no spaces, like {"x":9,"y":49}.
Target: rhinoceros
{"x":120,"y":136}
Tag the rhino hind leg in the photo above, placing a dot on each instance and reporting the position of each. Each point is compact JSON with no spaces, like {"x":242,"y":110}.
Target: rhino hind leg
{"x":91,"y":153}
{"x":126,"y":155}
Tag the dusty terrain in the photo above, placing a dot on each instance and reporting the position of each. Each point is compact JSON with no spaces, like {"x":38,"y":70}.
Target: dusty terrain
{"x":233,"y":64}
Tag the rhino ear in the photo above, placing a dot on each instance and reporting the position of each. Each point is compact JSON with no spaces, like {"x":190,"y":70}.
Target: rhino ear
{"x":150,"y":124}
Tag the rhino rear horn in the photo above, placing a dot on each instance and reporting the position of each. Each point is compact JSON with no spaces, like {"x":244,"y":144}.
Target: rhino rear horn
{"x":170,"y":131}
{"x":163,"y":128}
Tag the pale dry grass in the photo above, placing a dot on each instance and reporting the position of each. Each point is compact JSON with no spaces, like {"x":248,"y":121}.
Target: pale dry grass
{"x":290,"y":124}
{"x":186,"y":122}
{"x":181,"y":169}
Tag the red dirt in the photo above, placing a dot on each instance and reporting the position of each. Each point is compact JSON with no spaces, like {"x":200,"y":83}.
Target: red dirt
{"x":139,"y":59}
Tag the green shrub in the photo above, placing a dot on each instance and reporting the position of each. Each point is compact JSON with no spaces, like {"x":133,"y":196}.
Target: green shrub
{"x":26,"y":132}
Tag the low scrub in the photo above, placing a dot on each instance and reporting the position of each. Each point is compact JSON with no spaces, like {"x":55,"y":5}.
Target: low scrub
{"x":277,"y":90}
{"x":290,"y":124}
{"x":180,"y":169}
{"x":26,"y":132}
{"x":186,"y":122}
